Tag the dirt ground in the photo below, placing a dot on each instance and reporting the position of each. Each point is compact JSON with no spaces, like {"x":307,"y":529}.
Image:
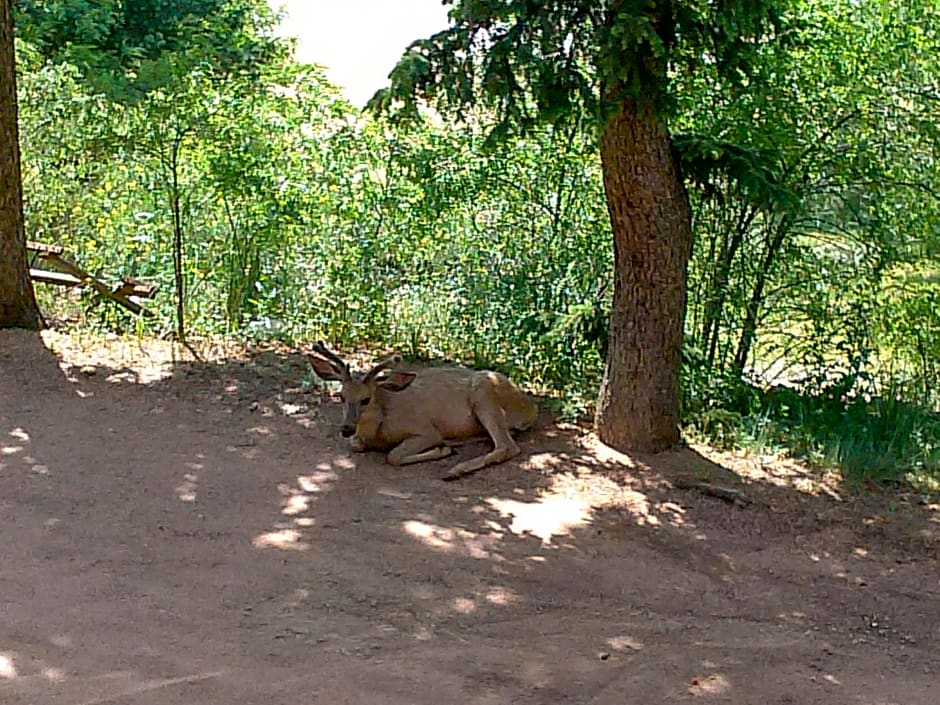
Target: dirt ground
{"x":176,"y":532}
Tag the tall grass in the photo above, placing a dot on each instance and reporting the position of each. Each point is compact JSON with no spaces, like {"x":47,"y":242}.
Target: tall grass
{"x":883,"y":438}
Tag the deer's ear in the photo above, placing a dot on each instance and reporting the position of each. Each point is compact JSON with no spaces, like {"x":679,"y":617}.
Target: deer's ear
{"x":396,"y":381}
{"x":324,"y":368}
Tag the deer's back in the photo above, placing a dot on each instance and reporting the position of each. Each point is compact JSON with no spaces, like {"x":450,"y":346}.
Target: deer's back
{"x":444,"y":398}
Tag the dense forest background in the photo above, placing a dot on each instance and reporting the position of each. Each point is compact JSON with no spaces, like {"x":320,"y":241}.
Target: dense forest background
{"x":189,"y":149}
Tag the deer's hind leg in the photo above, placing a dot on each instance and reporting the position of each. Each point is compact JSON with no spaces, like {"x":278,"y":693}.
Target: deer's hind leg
{"x":419,"y":449}
{"x":493,"y":418}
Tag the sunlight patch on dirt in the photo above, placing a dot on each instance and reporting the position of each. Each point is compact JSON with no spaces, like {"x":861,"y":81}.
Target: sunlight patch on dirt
{"x":17,"y":451}
{"x":7,"y":669}
{"x":283,"y":539}
{"x":546,"y":518}
{"x":715,"y":684}
{"x":321,"y":480}
{"x":54,"y":675}
{"x":447,"y":540}
{"x":291,"y":408}
{"x":542,"y":461}
{"x":186,"y":490}
{"x":464,"y":605}
{"x":431,"y":535}
{"x":605,"y":454}
{"x":296,"y":504}
{"x":20,"y":438}
{"x":603,"y":478}
{"x":624,"y":643}
{"x":572,"y":499}
{"x":569,"y":502}
{"x":497,"y":596}
{"x":501,"y":596}
{"x":296,"y":501}
{"x":776,"y":470}
{"x":147,"y":360}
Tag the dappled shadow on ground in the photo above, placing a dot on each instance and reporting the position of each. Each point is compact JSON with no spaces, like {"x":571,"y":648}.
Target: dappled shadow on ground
{"x":191,"y":531}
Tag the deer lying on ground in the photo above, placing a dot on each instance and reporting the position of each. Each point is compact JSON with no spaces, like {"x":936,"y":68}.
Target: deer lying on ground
{"x":420,"y":416}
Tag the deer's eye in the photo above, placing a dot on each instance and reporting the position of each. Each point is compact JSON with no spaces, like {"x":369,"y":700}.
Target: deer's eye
{"x":365,"y":402}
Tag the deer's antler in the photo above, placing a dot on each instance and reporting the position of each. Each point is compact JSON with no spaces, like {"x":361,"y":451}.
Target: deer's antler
{"x":335,"y":360}
{"x":385,"y":363}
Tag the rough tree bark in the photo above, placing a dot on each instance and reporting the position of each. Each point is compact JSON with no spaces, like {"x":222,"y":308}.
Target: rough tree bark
{"x":17,"y":300}
{"x":638,"y":405}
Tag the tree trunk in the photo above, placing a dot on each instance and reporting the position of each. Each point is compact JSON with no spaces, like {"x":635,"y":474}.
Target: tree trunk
{"x":17,"y":301}
{"x":638,"y":406}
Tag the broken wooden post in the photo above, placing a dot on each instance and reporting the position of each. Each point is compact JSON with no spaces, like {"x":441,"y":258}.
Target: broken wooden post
{"x":73,"y":275}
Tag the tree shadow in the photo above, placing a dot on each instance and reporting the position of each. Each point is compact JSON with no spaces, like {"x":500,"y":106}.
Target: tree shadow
{"x":274,"y":385}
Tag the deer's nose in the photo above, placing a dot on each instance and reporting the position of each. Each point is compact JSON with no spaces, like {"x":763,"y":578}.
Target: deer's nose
{"x":347,"y":431}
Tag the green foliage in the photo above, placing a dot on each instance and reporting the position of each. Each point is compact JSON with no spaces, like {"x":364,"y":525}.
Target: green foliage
{"x":816,"y":228}
{"x":906,"y":325}
{"x":566,"y":61}
{"x":810,"y":187}
{"x":300,"y":219}
{"x":871,"y":437}
{"x":124,"y":47}
{"x":841,"y":422}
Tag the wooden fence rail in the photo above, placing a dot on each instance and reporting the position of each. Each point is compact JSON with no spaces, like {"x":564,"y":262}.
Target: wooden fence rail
{"x":71,"y":275}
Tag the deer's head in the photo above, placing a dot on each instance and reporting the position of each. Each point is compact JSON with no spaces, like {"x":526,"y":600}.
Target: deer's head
{"x":358,"y":388}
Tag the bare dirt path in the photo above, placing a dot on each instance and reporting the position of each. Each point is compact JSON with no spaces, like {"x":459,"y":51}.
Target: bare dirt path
{"x":206,"y":539}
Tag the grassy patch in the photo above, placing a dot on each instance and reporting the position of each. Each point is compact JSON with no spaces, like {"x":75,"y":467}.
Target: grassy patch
{"x":884,"y":439}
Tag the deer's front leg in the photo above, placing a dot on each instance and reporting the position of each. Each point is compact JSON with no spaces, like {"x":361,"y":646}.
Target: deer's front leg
{"x":493,"y":418}
{"x":418,"y":449}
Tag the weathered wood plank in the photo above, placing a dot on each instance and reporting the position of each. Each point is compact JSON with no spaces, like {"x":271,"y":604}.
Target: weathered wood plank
{"x":131,"y":287}
{"x":43,"y":247}
{"x":46,"y":277}
{"x":73,"y":275}
{"x":71,"y":268}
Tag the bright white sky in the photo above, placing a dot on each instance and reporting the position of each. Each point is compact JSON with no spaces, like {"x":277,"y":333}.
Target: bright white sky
{"x":359,"y":41}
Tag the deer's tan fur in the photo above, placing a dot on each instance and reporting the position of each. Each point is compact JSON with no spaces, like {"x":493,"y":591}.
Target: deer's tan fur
{"x":419,"y":416}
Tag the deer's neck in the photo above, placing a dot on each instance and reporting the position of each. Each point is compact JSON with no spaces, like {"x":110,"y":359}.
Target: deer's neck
{"x":369,"y":428}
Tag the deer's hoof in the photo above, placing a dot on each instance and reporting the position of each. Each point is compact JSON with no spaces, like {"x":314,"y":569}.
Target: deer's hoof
{"x":458,"y":471}
{"x":356,"y":444}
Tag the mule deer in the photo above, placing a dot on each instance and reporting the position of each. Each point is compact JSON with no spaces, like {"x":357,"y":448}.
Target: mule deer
{"x":420,"y":416}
